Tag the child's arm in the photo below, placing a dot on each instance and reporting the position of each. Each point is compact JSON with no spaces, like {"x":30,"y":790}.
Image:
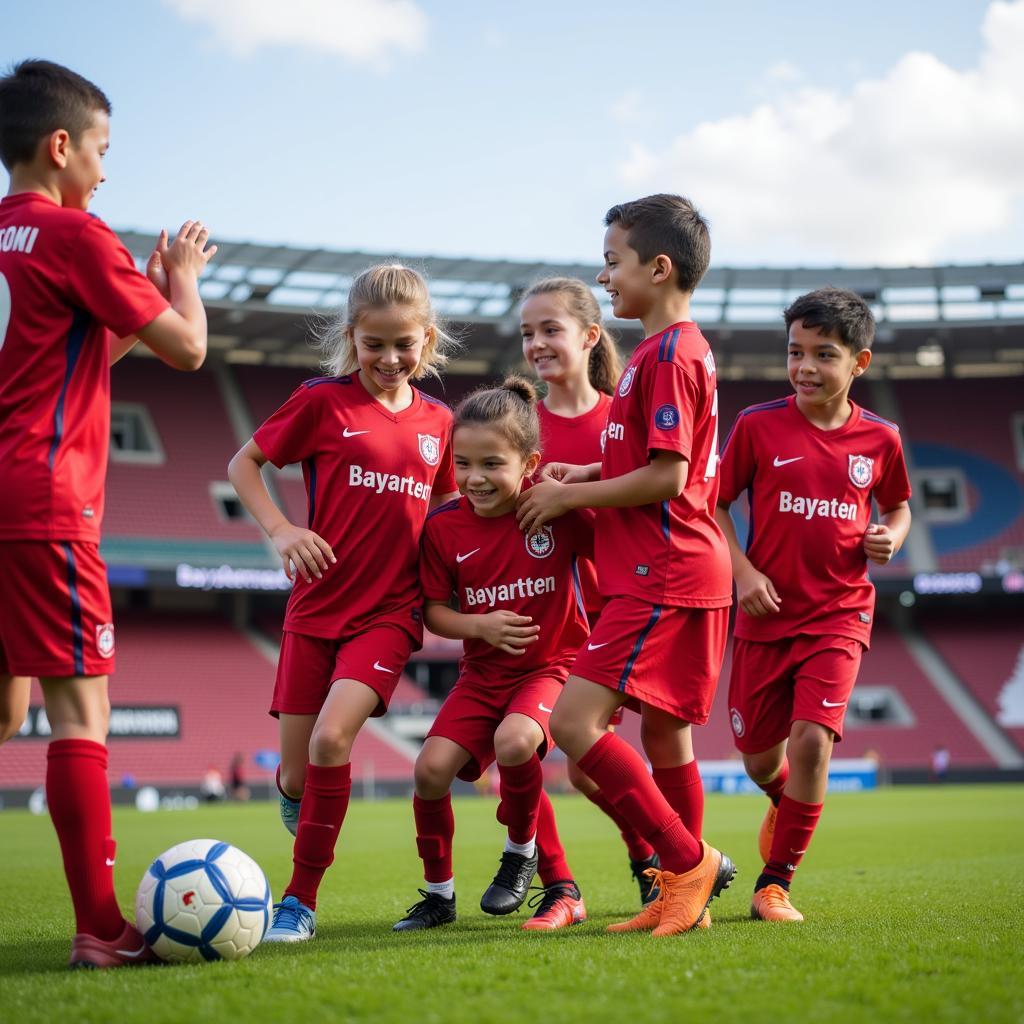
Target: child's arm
{"x":503,"y":629}
{"x":120,"y":347}
{"x":178,"y":334}
{"x":302,"y":551}
{"x":755,"y":592}
{"x":883,"y":540}
{"x":567,"y":474}
{"x":663,"y":477}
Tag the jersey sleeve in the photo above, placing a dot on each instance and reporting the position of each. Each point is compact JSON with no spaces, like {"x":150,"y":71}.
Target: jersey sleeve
{"x":436,"y":576}
{"x":673,"y":399}
{"x":736,"y":464}
{"x":894,"y":484}
{"x":444,"y":481}
{"x":103,"y":279}
{"x":289,"y":435}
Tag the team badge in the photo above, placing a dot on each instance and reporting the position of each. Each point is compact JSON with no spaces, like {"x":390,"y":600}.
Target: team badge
{"x":861,"y":470}
{"x":627,"y":382}
{"x":430,"y":448}
{"x":736,"y":719}
{"x":105,"y":639}
{"x":666,"y":417}
{"x":541,"y":544}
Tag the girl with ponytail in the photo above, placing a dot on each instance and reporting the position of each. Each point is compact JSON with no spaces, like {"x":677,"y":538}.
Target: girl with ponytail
{"x":521,"y":619}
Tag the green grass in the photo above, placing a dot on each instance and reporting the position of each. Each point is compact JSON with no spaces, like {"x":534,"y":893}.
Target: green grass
{"x":914,"y":901}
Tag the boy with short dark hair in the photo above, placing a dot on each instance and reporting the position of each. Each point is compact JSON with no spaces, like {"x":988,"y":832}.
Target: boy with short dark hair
{"x":811,"y":464}
{"x":66,"y":283}
{"x":662,"y":561}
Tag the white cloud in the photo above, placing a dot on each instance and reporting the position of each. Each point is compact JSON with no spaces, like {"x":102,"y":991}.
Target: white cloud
{"x":896,"y":170}
{"x":363,"y":31}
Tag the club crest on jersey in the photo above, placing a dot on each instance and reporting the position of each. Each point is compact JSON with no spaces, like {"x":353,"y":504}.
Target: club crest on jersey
{"x":627,"y":381}
{"x":430,"y":448}
{"x":736,"y":719}
{"x":666,"y":417}
{"x":541,"y":544}
{"x":105,"y":639}
{"x":861,"y":470}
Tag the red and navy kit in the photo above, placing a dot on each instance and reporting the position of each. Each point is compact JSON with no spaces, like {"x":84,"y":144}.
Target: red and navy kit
{"x":670,"y":552}
{"x":810,"y":493}
{"x":66,"y":281}
{"x":491,"y":565}
{"x":369,"y":475}
{"x":577,"y":441}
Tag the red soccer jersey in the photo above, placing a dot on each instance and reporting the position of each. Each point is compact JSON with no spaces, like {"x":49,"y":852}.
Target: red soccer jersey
{"x":577,"y":441}
{"x":369,"y":475}
{"x":491,"y":564}
{"x":669,"y":552}
{"x":65,"y":279}
{"x":810,"y":494}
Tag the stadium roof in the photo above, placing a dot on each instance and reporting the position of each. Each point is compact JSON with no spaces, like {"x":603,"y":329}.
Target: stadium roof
{"x":967,"y":320}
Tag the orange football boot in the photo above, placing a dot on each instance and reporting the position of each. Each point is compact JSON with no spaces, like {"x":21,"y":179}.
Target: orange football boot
{"x":767,"y":833}
{"x":560,"y":905}
{"x":650,"y":917}
{"x":772,"y":904}
{"x":687,"y":895}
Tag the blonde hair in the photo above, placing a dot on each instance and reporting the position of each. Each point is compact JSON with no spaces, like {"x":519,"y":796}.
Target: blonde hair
{"x":605,"y":364}
{"x":510,"y":407}
{"x":387,"y":284}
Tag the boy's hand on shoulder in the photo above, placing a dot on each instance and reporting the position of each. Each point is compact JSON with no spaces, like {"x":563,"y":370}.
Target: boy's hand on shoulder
{"x":565,"y":473}
{"x":879,"y":544}
{"x":757,"y":594}
{"x":540,"y":503}
{"x":188,"y":251}
{"x":302,"y":552}
{"x":507,"y":631}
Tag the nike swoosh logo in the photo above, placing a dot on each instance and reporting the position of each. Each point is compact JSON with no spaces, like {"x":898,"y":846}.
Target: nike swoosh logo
{"x":546,"y":711}
{"x":381,"y":668}
{"x":110,"y":863}
{"x":785,"y":462}
{"x":832,"y":703}
{"x":797,"y":853}
{"x":594,"y":647}
{"x":132,"y":952}
{"x":318,"y":824}
{"x":353,"y":433}
{"x":461,"y":558}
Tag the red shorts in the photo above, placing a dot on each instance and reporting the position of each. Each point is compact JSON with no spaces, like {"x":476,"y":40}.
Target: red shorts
{"x":472,"y":712}
{"x":805,"y":678}
{"x":660,"y":655}
{"x":618,"y":713}
{"x":55,"y":616}
{"x":309,"y":665}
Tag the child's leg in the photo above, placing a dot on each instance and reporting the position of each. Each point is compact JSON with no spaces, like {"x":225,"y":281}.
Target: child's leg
{"x":328,"y":785}
{"x":14,"y":697}
{"x":668,"y":743}
{"x":295,"y":732}
{"x":78,"y":796}
{"x":439,"y":762}
{"x":521,"y":778}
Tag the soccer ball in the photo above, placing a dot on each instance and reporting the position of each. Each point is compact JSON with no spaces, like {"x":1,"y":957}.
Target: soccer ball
{"x":203,"y":900}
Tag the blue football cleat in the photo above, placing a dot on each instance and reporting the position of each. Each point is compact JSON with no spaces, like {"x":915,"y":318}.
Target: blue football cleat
{"x":293,"y":922}
{"x":290,"y":814}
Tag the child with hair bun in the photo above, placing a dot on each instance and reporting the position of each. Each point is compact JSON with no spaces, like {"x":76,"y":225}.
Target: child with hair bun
{"x":521,"y":617}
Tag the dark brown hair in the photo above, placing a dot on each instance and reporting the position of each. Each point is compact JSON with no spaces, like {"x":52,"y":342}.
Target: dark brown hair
{"x":37,"y":98}
{"x":605,"y":364}
{"x":667,"y":225}
{"x":511,"y":408}
{"x":836,"y":311}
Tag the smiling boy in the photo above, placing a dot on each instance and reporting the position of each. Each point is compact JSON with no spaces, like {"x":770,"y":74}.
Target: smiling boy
{"x":811,"y":464}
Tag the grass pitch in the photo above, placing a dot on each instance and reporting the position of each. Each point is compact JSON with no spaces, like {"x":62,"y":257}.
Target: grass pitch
{"x":914,"y":901}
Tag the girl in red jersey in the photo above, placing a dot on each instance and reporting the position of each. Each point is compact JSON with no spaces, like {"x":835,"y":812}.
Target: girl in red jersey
{"x":521,"y":618}
{"x":374,"y":452}
{"x":574,"y":354}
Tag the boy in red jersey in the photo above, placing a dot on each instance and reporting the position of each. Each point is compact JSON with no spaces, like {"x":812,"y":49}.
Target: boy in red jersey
{"x":71,"y":303}
{"x":811,"y":464}
{"x":662,"y":561}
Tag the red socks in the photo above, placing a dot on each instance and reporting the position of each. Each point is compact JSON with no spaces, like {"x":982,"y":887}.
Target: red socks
{"x":79,"y":800}
{"x":774,"y":788}
{"x":639,"y":848}
{"x":793,"y":830}
{"x":435,"y":830}
{"x":551,"y":863}
{"x":520,"y":786}
{"x":684,"y":791}
{"x":324,"y":803}
{"x":622,"y":773}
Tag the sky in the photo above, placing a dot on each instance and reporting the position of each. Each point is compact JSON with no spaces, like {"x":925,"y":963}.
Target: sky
{"x":881,"y":132}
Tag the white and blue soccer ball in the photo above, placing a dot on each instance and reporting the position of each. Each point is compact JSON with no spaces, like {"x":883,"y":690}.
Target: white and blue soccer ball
{"x":203,"y":900}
